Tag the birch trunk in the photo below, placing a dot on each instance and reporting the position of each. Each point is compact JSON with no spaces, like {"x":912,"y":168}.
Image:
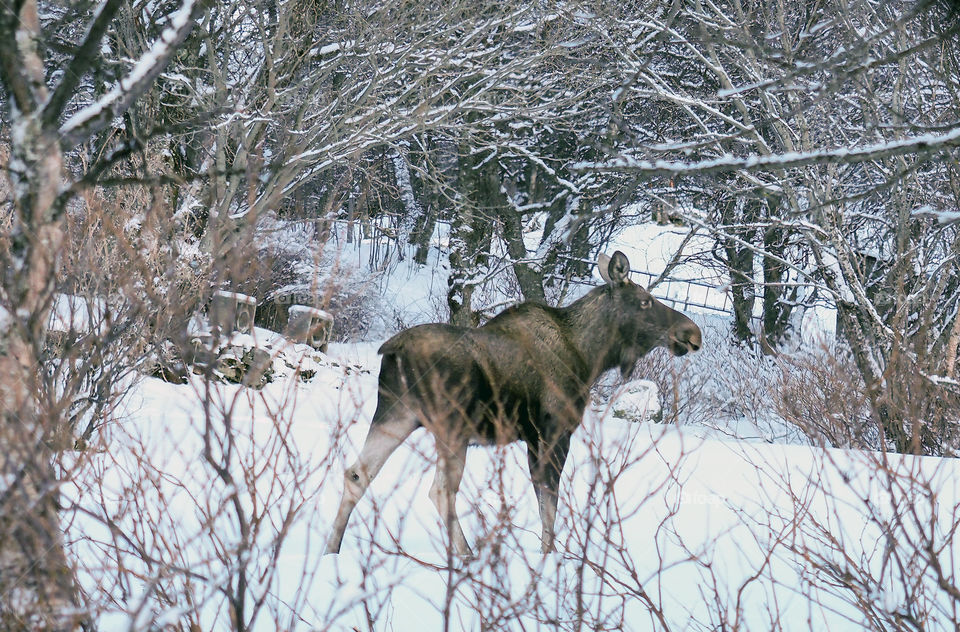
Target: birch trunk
{"x":37,"y":587}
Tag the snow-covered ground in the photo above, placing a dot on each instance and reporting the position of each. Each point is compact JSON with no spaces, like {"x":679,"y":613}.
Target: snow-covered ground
{"x":654,"y":521}
{"x":208,"y":490}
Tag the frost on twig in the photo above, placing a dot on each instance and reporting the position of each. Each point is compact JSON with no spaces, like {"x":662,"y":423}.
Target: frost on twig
{"x":923,"y":144}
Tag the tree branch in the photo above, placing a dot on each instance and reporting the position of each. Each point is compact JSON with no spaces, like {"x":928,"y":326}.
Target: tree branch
{"x":81,"y":61}
{"x":99,"y":114}
{"x":926,"y":143}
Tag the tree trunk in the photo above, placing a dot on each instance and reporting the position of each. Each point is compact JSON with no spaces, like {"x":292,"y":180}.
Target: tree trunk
{"x":777,"y":302}
{"x":889,"y":420}
{"x":478,"y":196}
{"x":740,"y":267}
{"x":425,"y":182}
{"x":739,"y":260}
{"x":529,"y":279}
{"x":422,"y":233}
{"x":37,"y":589}
{"x":36,"y":583}
{"x":463,"y":247}
{"x":953,"y":342}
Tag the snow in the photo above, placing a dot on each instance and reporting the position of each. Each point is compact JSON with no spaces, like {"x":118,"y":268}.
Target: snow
{"x":310,"y":311}
{"x":638,"y":400}
{"x":406,"y":292}
{"x":915,"y":144}
{"x":944,"y":217}
{"x":330,"y":48}
{"x":236,"y":296}
{"x":650,"y":247}
{"x":706,"y":526}
{"x":690,"y":286}
{"x":646,"y":509}
{"x":74,"y":313}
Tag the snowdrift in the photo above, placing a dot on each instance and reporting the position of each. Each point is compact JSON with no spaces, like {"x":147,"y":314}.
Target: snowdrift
{"x":221,"y":498}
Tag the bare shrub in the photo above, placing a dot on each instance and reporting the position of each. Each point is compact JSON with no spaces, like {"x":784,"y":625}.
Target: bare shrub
{"x":284,"y":262}
{"x":876,"y":536}
{"x":114,"y":297}
{"x":122,"y":294}
{"x":186,"y":520}
{"x":728,"y":387}
{"x":925,"y":404}
{"x":284,"y":266}
{"x":820,"y":392}
{"x":353,"y":300}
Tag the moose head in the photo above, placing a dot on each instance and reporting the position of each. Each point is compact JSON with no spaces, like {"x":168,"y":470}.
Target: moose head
{"x":642,"y":321}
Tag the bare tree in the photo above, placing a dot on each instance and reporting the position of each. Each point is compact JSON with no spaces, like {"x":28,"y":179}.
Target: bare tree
{"x":817,"y":147}
{"x":36,"y":580}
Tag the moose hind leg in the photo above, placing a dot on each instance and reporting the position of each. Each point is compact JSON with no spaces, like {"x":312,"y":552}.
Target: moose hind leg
{"x":383,"y":438}
{"x":443,"y":493}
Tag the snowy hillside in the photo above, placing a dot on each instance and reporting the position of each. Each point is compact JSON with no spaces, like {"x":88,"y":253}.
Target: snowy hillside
{"x":657,"y":525}
{"x":179,"y":179}
{"x":696,"y":526}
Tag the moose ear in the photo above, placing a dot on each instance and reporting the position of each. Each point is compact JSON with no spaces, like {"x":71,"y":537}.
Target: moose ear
{"x":618,"y":268}
{"x":603,"y":262}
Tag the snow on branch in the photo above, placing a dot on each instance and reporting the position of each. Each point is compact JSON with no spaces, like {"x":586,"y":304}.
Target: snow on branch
{"x":114,"y":103}
{"x":82,"y":60}
{"x":944,"y":217}
{"x":926,"y":143}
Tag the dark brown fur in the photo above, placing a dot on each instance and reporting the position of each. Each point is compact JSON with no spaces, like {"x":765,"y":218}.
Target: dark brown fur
{"x":525,"y":375}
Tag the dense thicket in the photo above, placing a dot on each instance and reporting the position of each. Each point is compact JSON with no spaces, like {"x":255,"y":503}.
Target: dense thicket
{"x":148,"y":146}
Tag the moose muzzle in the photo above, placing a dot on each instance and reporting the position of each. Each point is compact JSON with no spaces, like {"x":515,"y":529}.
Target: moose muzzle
{"x":684,"y":337}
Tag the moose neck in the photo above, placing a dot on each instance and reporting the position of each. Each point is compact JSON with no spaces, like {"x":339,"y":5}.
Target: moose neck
{"x":593,"y":330}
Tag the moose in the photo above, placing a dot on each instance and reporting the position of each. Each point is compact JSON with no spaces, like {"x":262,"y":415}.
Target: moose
{"x":525,"y":375}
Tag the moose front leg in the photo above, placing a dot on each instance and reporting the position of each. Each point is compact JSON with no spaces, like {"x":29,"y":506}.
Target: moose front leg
{"x":546,"y":460}
{"x":385,"y":435}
